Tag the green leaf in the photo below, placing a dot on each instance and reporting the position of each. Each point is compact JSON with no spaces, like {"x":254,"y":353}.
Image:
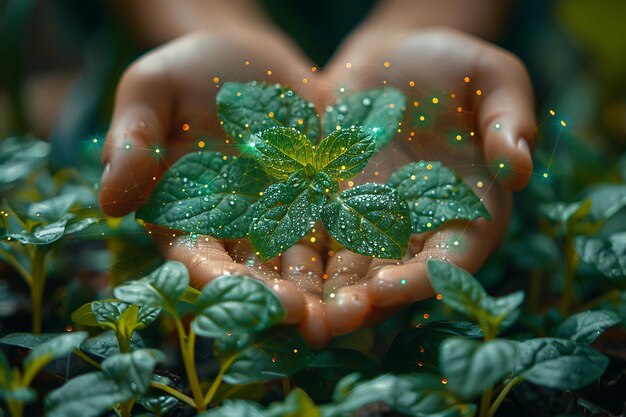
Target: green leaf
{"x":163,"y":287}
{"x":559,"y":363}
{"x":246,"y":109}
{"x":52,"y":349}
{"x":587,"y":326}
{"x":27,"y":340}
{"x":207,"y":193}
{"x":106,"y":344}
{"x":370,"y":219}
{"x":565,"y":213}
{"x":232,"y":304}
{"x":20,"y":395}
{"x":106,"y":314}
{"x":378,"y":111}
{"x":47,"y":234}
{"x":414,"y":394}
{"x":133,"y":371}
{"x":156,"y":401}
{"x":471,"y":366}
{"x":275,"y":353}
{"x":462,"y":292}
{"x":87,"y":395}
{"x":46,"y":211}
{"x":345,"y":153}
{"x":607,"y":255}
{"x":435,"y":194}
{"x":286,"y":212}
{"x":607,"y":199}
{"x":281,"y":151}
{"x":231,"y":408}
{"x":297,"y":404}
{"x":20,"y":156}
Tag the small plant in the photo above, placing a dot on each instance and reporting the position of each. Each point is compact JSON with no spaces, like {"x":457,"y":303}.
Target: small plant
{"x":286,"y":180}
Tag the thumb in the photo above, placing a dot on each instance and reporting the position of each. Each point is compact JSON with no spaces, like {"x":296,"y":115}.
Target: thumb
{"x":133,"y":153}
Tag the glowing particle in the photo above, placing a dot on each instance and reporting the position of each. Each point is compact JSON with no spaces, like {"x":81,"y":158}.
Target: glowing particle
{"x":313,"y":69}
{"x":269,"y":72}
{"x":313,"y":239}
{"x":429,"y":224}
{"x":295,"y":351}
{"x":305,"y":81}
{"x":69,"y":328}
{"x":403,"y":281}
{"x":413,"y":177}
{"x":416,"y":103}
{"x":261,"y":193}
{"x":201,"y":144}
{"x":545,"y":175}
{"x":456,"y":243}
{"x":426,"y":315}
{"x":376,"y":173}
{"x":435,"y":100}
{"x":444,"y":381}
{"x":325,"y":276}
{"x":224,"y":157}
{"x":438,"y":297}
{"x":459,"y":137}
{"x":95,"y":140}
{"x":472,"y":133}
{"x":422,"y":118}
{"x":552,"y":113}
{"x":452,"y":95}
{"x":313,"y":258}
{"x":216,"y":80}
{"x":300,"y":121}
{"x":501,"y":165}
{"x":480,"y":184}
{"x":466,"y":79}
{"x":274,"y":360}
{"x":247,"y":62}
{"x":391,"y":105}
{"x":386,"y":64}
{"x":238,"y":93}
{"x":270,"y":114}
{"x":425,"y":177}
{"x":348,"y":65}
{"x":420,"y":363}
{"x":459,"y":109}
{"x":337,"y":127}
{"x":429,"y":167}
{"x":478,"y":92}
{"x":127,"y":146}
{"x":412,"y":83}
{"x":422,"y":350}
{"x":350,"y":184}
{"x":497,"y":125}
{"x":252,"y":144}
{"x":563,"y":123}
{"x":332,"y":295}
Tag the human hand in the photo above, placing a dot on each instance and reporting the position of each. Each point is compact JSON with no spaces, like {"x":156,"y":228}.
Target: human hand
{"x":495,"y":160}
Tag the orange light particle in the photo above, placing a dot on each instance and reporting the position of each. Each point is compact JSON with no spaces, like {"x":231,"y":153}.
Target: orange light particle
{"x":412,"y":83}
{"x":325,"y":276}
{"x":185,"y":127}
{"x":386,"y":64}
{"x":201,"y":144}
{"x":438,"y":297}
{"x":479,"y":92}
{"x":416,"y":103}
{"x":466,"y":79}
{"x":459,"y":109}
{"x":216,"y":80}
{"x":426,"y":315}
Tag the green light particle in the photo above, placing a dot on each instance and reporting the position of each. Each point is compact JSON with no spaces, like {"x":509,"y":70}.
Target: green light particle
{"x":403,"y":281}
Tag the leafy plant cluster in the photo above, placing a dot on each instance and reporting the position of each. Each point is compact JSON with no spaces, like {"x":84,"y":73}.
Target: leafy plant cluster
{"x":550,"y":343}
{"x":286,"y":180}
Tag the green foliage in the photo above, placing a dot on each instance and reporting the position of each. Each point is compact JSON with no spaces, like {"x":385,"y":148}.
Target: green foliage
{"x":379,"y":112}
{"x":246,"y":109}
{"x":435,"y":194}
{"x":233,"y":304}
{"x":607,"y":255}
{"x":370,"y":219}
{"x":20,"y":156}
{"x":587,"y":326}
{"x":208,"y":193}
{"x":345,"y":153}
{"x":558,"y":363}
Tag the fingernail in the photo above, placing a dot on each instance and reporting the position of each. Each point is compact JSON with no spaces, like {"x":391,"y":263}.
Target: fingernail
{"x":105,"y":172}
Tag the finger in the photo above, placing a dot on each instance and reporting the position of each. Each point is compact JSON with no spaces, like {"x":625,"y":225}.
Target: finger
{"x":269,"y":273}
{"x":506,"y":118}
{"x":132,"y":152}
{"x":204,"y":257}
{"x":346,"y":303}
{"x":302,"y":264}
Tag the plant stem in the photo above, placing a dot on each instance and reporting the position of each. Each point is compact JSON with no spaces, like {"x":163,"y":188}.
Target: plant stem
{"x":174,"y":393}
{"x":218,"y":380}
{"x":571,"y":265}
{"x":612,"y":295}
{"x":16,"y":409}
{"x":485,"y":401}
{"x":37,"y":287}
{"x":505,"y":391}
{"x":12,"y":260}
{"x":187,"y":348}
{"x":286,"y":386}
{"x":127,"y":407}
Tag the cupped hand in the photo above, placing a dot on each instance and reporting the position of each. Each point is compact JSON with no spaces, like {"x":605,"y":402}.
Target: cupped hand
{"x":470,"y":105}
{"x":165,"y":105}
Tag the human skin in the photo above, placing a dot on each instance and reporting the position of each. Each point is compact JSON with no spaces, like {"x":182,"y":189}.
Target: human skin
{"x":172,"y":85}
